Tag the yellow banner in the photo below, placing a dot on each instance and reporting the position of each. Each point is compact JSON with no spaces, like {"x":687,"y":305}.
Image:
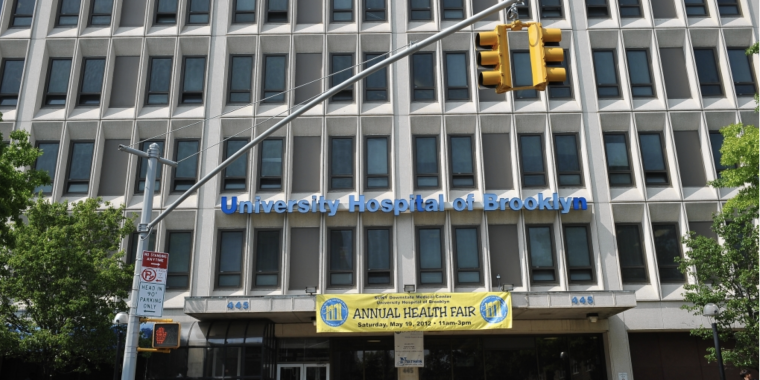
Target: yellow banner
{"x":413,"y":312}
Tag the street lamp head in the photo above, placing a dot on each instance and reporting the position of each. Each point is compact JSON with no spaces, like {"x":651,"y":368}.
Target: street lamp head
{"x":710,"y":310}
{"x":121,"y":318}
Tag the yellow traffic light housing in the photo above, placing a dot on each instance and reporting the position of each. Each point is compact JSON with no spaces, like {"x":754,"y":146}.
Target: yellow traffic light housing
{"x":539,"y":55}
{"x":498,"y":58}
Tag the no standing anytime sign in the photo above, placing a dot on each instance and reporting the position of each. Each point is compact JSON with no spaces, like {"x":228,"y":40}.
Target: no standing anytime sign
{"x":150,"y":299}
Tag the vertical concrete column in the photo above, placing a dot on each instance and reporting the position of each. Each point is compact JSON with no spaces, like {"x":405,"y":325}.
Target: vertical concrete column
{"x":619,"y":350}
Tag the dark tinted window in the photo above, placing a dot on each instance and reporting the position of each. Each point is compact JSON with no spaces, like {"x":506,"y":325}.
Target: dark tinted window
{"x":741,"y":69}
{"x":426,"y":161}
{"x":159,"y":80}
{"x":631,"y":255}
{"x":729,"y":8}
{"x":452,"y":9}
{"x":378,"y":256}
{"x":342,"y":10}
{"x":68,"y":13}
{"x":166,"y":12}
{"x":342,"y":163}
{"x":11,"y":82}
{"x":707,"y":71}
{"x":143,"y":165}
{"x":341,"y":257}
{"x":193,"y":75}
{"x":638,"y":72}
{"x":374,"y":10}
{"x":630,"y":8}
{"x":274,"y":78}
{"x":198,"y":12}
{"x":522,"y":75}
{"x":532,"y":161}
{"x":605,"y":69}
{"x":241,"y":70}
{"x":100,"y":14}
{"x":716,"y":142}
{"x":230,"y":262}
{"x":618,"y":164}
{"x":134,"y":239}
{"x":187,"y":168}
{"x":267,"y":271}
{"x":551,"y":8}
{"x":561,"y":90}
{"x":541,"y":253}
{"x":244,"y":12}
{"x":597,"y":9}
{"x":92,"y":81}
{"x":578,"y":249}
{"x":80,"y":163}
{"x":375,"y":85}
{"x":236,"y":173}
{"x":462,"y":165}
{"x":277,"y":11}
{"x":467,"y":255}
{"x":429,"y":246}
{"x":58,"y":82}
{"x":342,"y":69}
{"x":270,"y":172}
{"x":695,"y":7}
{"x":47,"y":162}
{"x":423,"y":77}
{"x":457,"y":86}
{"x":667,"y":245}
{"x":568,"y":160}
{"x":22,"y":13}
{"x":180,"y":248}
{"x":653,"y":159}
{"x":420,"y":10}
{"x":377,"y":160}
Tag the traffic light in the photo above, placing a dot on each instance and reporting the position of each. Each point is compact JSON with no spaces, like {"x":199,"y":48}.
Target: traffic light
{"x":166,"y":335}
{"x":539,"y":55}
{"x":498,"y":58}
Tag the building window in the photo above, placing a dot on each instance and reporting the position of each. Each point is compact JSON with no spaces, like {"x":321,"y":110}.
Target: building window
{"x":452,"y":9}
{"x":729,"y":8}
{"x":159,"y":81}
{"x":523,"y":11}
{"x":551,"y":9}
{"x":186,"y":155}
{"x":134,"y":240}
{"x":47,"y":162}
{"x":633,"y":268}
{"x":667,"y":245}
{"x":235,"y":174}
{"x":522,"y":75}
{"x":80,"y":163}
{"x":741,"y":69}
{"x":605,"y":69}
{"x":341,"y":163}
{"x":695,"y":7}
{"x":267,"y":271}
{"x":193,"y":75}
{"x":277,"y":11}
{"x":430,"y":248}
{"x":241,"y":68}
{"x":230,"y":260}
{"x":457,"y":85}
{"x":462,"y":166}
{"x":244,"y":12}
{"x":342,"y":69}
{"x":377,"y":161}
{"x":561,"y":90}
{"x":423,"y":77}
{"x":23,"y":10}
{"x":618,"y":162}
{"x":143,"y":165}
{"x":341,"y":257}
{"x":376,"y":84}
{"x":655,"y":169}
{"x":198,"y":12}
{"x":716,"y":142}
{"x":568,"y":160}
{"x":426,"y":170}
{"x":100,"y":13}
{"x":68,"y":13}
{"x":419,"y":10}
{"x":270,"y":171}
{"x":374,"y":10}
{"x":467,"y":253}
{"x":578,"y":249}
{"x":180,"y":247}
{"x":58,"y":82}
{"x":342,"y":10}
{"x":13,"y":70}
{"x":92,"y":81}
{"x":597,"y":9}
{"x":640,"y":73}
{"x":378,"y":256}
{"x":707,"y":71}
{"x":166,"y":12}
{"x":541,"y":252}
{"x":630,"y":8}
{"x":532,"y":160}
{"x":274,"y":78}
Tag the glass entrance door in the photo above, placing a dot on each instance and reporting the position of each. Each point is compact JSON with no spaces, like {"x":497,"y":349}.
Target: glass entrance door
{"x":303,"y":371}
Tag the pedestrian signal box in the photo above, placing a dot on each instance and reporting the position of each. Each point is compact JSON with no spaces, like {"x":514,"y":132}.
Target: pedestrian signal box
{"x":166,"y":335}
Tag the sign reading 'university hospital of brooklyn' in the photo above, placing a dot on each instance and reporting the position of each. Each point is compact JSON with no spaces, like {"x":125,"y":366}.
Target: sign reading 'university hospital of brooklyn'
{"x":413,"y":312}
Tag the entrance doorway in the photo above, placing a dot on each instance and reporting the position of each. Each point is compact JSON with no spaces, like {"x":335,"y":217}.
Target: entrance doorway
{"x":303,"y":371}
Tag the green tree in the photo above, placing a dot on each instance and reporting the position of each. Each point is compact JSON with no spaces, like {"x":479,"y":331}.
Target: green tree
{"x":18,"y":184}
{"x":754,"y":50}
{"x":740,"y":154}
{"x":62,"y":283}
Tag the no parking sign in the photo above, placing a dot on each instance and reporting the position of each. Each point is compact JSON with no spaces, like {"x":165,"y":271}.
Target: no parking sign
{"x":150,"y":299}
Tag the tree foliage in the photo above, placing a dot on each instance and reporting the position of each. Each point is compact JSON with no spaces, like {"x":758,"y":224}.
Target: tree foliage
{"x":62,"y":283}
{"x":740,"y":153}
{"x":18,"y":185}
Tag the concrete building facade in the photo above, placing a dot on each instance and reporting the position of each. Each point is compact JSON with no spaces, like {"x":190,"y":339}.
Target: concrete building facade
{"x":632,"y":131}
